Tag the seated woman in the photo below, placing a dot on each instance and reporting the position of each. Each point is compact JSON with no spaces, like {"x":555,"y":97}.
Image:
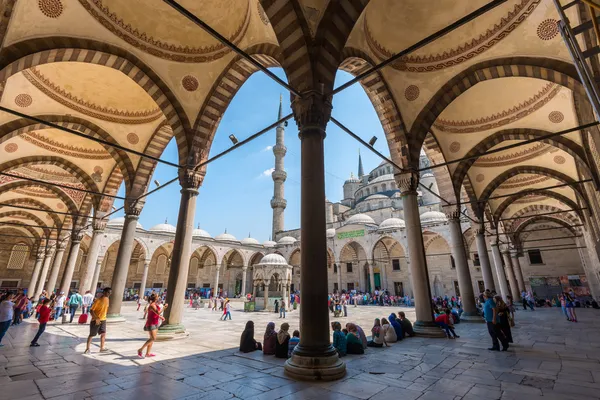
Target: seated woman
{"x":283,"y":341}
{"x":270,"y":339}
{"x":377,"y":338}
{"x":353,"y":343}
{"x":339,"y":339}
{"x":395,"y":323}
{"x":247,"y":342}
{"x":388,"y":332}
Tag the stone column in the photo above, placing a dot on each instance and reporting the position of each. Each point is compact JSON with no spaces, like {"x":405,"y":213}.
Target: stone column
{"x":244,"y":270}
{"x":94,"y":284}
{"x":500,"y":270}
{"x":517,"y":270}
{"x":371,"y":277}
{"x":144,"y":278}
{"x":65,"y":283}
{"x":88,"y":273}
{"x":45,"y":268}
{"x":119,"y":278}
{"x":457,"y":247}
{"x":254,"y":290}
{"x":424,"y":324}
{"x":314,"y":357}
{"x":216,"y":292}
{"x":266,"y":295}
{"x":55,"y":269}
{"x":484,"y":259}
{"x":182,"y":252}
{"x":514,"y":287}
{"x":33,"y":282}
{"x":339,"y":277}
{"x":384,"y":280}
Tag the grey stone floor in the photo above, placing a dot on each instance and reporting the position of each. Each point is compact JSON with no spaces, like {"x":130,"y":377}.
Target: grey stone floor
{"x":551,"y":359}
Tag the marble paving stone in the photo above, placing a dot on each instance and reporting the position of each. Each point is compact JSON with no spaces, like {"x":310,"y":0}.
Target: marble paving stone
{"x":356,"y":388}
{"x":456,"y":388}
{"x":431,"y":395}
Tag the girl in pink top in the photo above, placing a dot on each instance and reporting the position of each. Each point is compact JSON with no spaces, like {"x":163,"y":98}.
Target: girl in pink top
{"x":152,"y":324}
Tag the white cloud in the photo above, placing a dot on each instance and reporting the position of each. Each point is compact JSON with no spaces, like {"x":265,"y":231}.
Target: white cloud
{"x":267,"y":172}
{"x":268,"y":148}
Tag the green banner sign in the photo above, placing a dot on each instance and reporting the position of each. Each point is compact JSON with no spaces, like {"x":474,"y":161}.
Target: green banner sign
{"x":351,"y":234}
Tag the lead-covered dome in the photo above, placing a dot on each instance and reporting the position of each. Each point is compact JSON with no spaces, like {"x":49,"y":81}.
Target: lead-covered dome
{"x":287,"y":240}
{"x":330,"y":232}
{"x":249,"y":240}
{"x":226,"y":237}
{"x":392,"y":223}
{"x":119,"y":222}
{"x":269,"y":243}
{"x":163,"y":228}
{"x":360,"y":219}
{"x":432,"y":217}
{"x":376,"y":197}
{"x":273,"y":259}
{"x":200,"y":233}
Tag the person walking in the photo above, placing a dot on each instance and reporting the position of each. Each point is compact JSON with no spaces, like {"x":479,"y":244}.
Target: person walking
{"x":7,"y":310}
{"x":151,"y":326}
{"x":98,"y":311}
{"x":59,"y":304}
{"x":88,"y":299}
{"x":490,"y":313}
{"x":19,"y":308}
{"x":44,"y":317}
{"x":524,"y":300}
{"x":226,"y":311}
{"x":75,"y":302}
{"x":281,"y":308}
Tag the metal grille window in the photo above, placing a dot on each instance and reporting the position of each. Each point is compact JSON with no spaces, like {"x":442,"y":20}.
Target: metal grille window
{"x":396,"y":264}
{"x":18,"y":255}
{"x":535,"y":257}
{"x":476,"y":261}
{"x":348,"y":267}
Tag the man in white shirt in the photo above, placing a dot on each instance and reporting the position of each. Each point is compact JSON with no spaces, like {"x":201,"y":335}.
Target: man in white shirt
{"x":88,"y":299}
{"x":59,"y":304}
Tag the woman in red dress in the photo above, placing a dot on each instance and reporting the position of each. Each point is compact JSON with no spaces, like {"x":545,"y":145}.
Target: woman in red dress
{"x":152,"y":324}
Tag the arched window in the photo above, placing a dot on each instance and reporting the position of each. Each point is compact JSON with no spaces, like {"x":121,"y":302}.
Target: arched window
{"x":194,"y":266}
{"x":161,"y":264}
{"x":383,"y":187}
{"x":375,"y":189}
{"x":368,"y":191}
{"x":18,"y":255}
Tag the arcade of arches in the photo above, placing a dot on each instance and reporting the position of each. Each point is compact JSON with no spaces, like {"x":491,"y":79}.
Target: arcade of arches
{"x":111,"y":82}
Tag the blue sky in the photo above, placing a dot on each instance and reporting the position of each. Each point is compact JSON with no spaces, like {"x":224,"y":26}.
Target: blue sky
{"x":237,"y":188}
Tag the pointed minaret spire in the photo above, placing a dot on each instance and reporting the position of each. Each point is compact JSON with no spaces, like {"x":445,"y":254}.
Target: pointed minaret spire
{"x":166,"y":219}
{"x":278,"y":202}
{"x":280,"y":113}
{"x":198,"y":225}
{"x":361,"y":171}
{"x":225,"y":230}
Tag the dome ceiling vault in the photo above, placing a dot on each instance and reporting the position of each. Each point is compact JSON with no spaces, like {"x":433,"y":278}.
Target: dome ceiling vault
{"x":138,"y":74}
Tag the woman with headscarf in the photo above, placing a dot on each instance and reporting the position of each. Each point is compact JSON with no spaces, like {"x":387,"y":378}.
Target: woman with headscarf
{"x":270,"y":339}
{"x":283,"y":341}
{"x":247,"y":342}
{"x":396,"y":325}
{"x":353,"y":343}
{"x":503,"y":318}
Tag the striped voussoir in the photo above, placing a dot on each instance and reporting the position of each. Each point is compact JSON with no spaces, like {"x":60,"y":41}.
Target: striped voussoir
{"x":548,"y":193}
{"x":442,"y":175}
{"x":112,"y":188}
{"x":11,"y":224}
{"x":561,"y":142}
{"x":432,"y":237}
{"x":27,"y":216}
{"x":224,"y":89}
{"x":16,"y":184}
{"x":20,"y":126}
{"x":356,"y":62}
{"x":28,"y":202}
{"x":156,"y":145}
{"x":547,"y":218}
{"x":555,"y":71}
{"x":34,"y":52}
{"x":568,"y":218}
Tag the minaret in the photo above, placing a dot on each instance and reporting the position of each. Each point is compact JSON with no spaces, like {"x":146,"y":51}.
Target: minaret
{"x":278,"y":202}
{"x":361,"y":171}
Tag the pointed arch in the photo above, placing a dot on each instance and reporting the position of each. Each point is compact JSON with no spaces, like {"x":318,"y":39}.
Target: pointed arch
{"x":64,"y":197}
{"x":521,"y":229}
{"x":548,"y":193}
{"x":35,"y":203}
{"x":20,"y":213}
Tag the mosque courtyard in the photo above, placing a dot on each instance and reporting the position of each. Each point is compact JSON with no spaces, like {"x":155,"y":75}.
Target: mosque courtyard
{"x":550,"y":359}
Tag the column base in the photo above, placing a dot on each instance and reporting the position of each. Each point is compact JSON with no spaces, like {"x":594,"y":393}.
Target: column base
{"x":115,"y":318}
{"x":428,"y":329}
{"x":172,"y":332}
{"x":324,"y":367}
{"x":471,"y":317}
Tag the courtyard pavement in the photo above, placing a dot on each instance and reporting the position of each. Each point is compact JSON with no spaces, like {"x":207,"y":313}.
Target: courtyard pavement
{"x":551,"y":359}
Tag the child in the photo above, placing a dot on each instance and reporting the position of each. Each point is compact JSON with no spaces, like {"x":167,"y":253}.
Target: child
{"x":293,"y":342}
{"x":445,"y":322}
{"x":44,"y":317}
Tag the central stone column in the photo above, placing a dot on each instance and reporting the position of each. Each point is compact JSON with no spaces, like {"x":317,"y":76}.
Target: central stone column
{"x":514,"y":286}
{"x":517,"y":270}
{"x":144,"y":279}
{"x":33,"y":282}
{"x":484,"y":259}
{"x":119,"y":278}
{"x":500,"y":270}
{"x":94,"y":284}
{"x":55,"y":270}
{"x":314,"y":358}
{"x":371,"y":276}
{"x":180,"y":260}
{"x":424,"y":324}
{"x":65,"y":283}
{"x":244,"y":270}
{"x":45,"y":267}
{"x":93,"y":252}
{"x":465,"y":284}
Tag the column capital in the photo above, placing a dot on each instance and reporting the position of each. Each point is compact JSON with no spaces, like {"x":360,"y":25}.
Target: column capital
{"x":62,"y":245}
{"x":99,"y":260}
{"x":133,"y":208}
{"x":99,"y":224}
{"x":480,"y":230}
{"x":407,"y":181}
{"x":190,"y":179}
{"x":452,"y":212}
{"x":76,"y":236}
{"x":50,"y":251}
{"x":312,"y":111}
{"x":40,"y":254}
{"x":245,"y":268}
{"x":505,"y":251}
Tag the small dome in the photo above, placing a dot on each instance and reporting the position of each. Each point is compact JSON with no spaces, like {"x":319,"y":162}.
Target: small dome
{"x":427,"y":175}
{"x":392,"y":223}
{"x":386,"y":177}
{"x":433,"y":216}
{"x":273,"y":259}
{"x":330,"y":232}
{"x":269,"y":243}
{"x":287,"y":240}
{"x":376,"y":197}
{"x":226,"y":237}
{"x":200,"y":233}
{"x":163,"y":228}
{"x":119,"y":222}
{"x":360,"y":219}
{"x":249,"y":240}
